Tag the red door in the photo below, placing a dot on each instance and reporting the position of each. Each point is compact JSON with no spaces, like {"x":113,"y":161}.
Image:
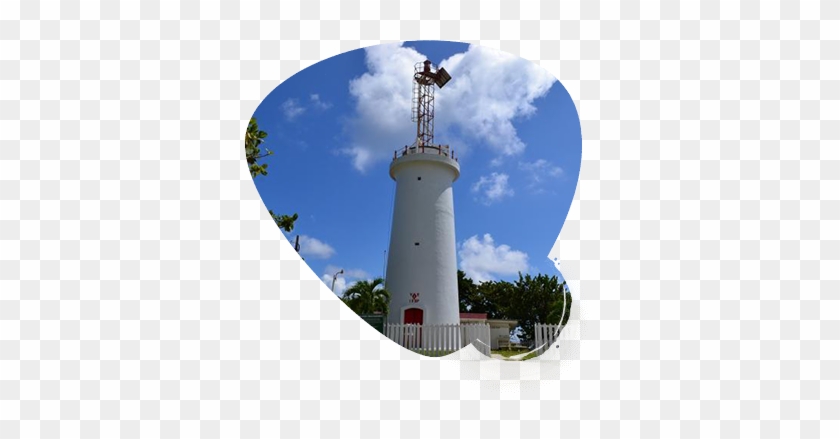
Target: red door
{"x":413,"y":316}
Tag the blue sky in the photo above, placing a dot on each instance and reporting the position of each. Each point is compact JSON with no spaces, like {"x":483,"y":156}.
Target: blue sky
{"x":334,"y":126}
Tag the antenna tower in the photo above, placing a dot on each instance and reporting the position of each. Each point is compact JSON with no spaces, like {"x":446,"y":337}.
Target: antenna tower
{"x":426,"y":76}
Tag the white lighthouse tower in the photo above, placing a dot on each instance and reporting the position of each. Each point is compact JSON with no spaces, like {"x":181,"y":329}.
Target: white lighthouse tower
{"x":422,"y":274}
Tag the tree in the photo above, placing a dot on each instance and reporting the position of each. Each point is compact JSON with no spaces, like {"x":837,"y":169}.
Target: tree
{"x":529,"y":300}
{"x":285,"y":222}
{"x":495,"y":298}
{"x":537,"y":302}
{"x":467,"y":290}
{"x":480,"y":298}
{"x":254,"y":137}
{"x":368,"y":297}
{"x":562,"y":307}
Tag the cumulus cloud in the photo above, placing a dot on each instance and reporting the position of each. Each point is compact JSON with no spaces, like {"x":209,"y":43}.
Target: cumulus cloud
{"x":292,"y":109}
{"x":382,"y":121}
{"x":318,"y":103}
{"x":488,"y":91}
{"x":539,"y":170}
{"x":482,"y":260}
{"x":541,"y":166}
{"x":343,"y":281}
{"x":315,"y":248}
{"x":492,"y":188}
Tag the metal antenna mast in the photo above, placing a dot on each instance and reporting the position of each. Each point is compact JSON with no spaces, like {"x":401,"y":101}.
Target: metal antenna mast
{"x":423,"y":100}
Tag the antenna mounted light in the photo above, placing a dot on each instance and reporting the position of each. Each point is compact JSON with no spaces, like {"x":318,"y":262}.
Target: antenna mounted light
{"x":442,"y":77}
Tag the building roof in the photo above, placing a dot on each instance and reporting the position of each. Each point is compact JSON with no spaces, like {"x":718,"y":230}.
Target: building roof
{"x":500,"y":322}
{"x":474,"y":315}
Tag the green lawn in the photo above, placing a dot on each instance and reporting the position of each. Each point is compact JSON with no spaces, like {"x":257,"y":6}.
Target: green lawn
{"x":433,"y":353}
{"x":509,"y":353}
{"x":529,"y":356}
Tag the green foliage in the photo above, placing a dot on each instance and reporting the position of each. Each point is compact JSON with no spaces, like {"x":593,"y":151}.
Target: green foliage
{"x":529,"y":300}
{"x":557,"y":308}
{"x":538,"y":297}
{"x":368,"y":297}
{"x":254,"y":137}
{"x":285,"y":222}
{"x":467,"y":290}
{"x":481,"y":298}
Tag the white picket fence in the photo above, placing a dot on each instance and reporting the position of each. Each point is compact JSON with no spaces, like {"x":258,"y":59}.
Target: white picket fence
{"x":544,"y":336}
{"x":440,"y":339}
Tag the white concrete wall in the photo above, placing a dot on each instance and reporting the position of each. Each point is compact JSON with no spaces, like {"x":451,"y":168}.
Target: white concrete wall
{"x":424,"y":213}
{"x":496,"y":332}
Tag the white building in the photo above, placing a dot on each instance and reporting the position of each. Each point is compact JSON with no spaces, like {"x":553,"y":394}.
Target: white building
{"x":421,"y":272}
{"x":499,"y":328}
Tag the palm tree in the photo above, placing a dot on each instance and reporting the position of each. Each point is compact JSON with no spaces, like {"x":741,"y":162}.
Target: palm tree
{"x":368,"y":297}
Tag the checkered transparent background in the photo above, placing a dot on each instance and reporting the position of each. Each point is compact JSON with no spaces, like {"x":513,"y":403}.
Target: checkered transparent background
{"x":145,"y":292}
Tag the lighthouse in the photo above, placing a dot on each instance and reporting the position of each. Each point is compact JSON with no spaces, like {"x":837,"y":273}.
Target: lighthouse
{"x":421,"y":272}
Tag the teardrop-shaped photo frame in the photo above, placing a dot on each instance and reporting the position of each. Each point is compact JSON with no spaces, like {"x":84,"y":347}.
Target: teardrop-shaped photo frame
{"x":425,"y":182}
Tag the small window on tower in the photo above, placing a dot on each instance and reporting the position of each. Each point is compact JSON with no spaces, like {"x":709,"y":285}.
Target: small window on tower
{"x":419,"y":178}
{"x":416,"y":243}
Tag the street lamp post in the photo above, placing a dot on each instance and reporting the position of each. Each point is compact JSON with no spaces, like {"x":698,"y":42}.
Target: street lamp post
{"x":334,"y":278}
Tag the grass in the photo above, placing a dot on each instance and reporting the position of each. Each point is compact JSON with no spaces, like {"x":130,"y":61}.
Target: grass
{"x":529,"y":356}
{"x":432,"y":353}
{"x":509,"y":353}
{"x":504,"y":352}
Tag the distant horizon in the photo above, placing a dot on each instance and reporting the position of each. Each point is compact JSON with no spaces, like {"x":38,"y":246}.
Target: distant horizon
{"x":334,"y":127}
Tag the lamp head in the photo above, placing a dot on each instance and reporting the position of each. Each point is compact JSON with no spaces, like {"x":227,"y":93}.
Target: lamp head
{"x":442,"y":77}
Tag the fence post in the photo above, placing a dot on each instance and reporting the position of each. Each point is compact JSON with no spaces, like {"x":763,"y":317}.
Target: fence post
{"x":432,"y":338}
{"x":446,"y":338}
{"x":487,"y":341}
{"x":546,"y":337}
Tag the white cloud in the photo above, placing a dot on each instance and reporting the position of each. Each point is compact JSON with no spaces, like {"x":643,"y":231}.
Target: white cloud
{"x":538,"y":170}
{"x":291,"y":109}
{"x":382,"y":122}
{"x":314,"y":248}
{"x":492,"y":188}
{"x":542,"y":167}
{"x":482,"y":260}
{"x":488,"y":90}
{"x":343,"y":281}
{"x":318,"y":103}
